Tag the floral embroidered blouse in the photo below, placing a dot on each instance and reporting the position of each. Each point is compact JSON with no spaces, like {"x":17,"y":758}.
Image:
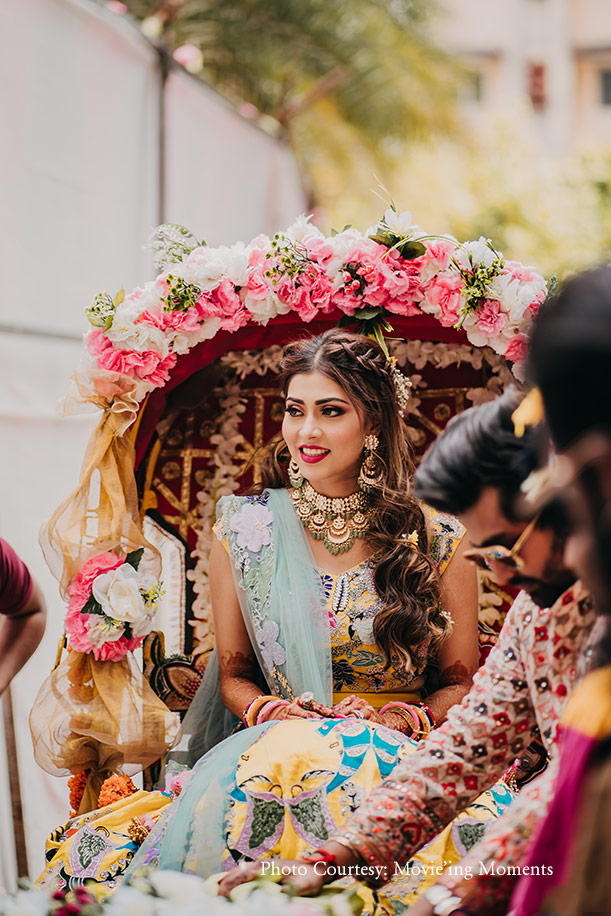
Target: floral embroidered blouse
{"x":352,"y":604}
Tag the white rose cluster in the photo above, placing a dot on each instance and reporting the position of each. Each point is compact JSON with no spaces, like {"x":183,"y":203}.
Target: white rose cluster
{"x":119,"y":595}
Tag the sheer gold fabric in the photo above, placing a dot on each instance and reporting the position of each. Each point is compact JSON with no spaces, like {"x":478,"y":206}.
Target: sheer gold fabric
{"x":102,"y":716}
{"x":102,"y":512}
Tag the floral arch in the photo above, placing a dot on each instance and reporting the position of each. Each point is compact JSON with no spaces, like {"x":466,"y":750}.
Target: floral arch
{"x":208,"y":330}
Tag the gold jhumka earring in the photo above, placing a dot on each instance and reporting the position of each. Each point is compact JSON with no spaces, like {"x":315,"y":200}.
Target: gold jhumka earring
{"x":371,"y":474}
{"x":296,"y":478}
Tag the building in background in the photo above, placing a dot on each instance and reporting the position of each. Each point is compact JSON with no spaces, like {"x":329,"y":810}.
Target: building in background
{"x":551,"y":58}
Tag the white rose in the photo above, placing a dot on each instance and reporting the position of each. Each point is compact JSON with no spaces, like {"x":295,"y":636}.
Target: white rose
{"x":480,"y":251}
{"x":302,"y":229}
{"x":118,"y":593}
{"x":127,"y":335}
{"x":102,"y":630}
{"x":206,"y":267}
{"x":178,"y":886}
{"x":183,"y":341}
{"x":342,"y":244}
{"x":264,"y":309}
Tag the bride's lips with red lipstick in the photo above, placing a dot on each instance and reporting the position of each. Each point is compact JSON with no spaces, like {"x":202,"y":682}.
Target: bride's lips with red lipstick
{"x":312,"y":454}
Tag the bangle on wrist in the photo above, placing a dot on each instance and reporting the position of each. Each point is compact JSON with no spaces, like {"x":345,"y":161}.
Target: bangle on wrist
{"x":394,"y":704}
{"x":265,"y":710}
{"x":253,"y":709}
{"x":404,"y":715}
{"x":320,"y":855}
{"x":429,"y":714}
{"x":247,"y":709}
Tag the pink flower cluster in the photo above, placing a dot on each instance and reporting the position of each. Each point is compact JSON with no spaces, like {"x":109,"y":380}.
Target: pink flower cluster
{"x":175,"y":782}
{"x":304,"y":272}
{"x":77,"y":624}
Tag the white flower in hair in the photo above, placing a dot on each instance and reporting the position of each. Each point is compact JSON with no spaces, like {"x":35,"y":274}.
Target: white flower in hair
{"x":402,"y":385}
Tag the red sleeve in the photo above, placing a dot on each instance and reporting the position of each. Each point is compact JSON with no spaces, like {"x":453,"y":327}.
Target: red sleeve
{"x":16,"y":583}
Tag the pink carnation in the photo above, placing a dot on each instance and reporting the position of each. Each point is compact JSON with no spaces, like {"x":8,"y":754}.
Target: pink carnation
{"x":223,"y":302}
{"x":384,"y":278}
{"x":230,"y":306}
{"x":80,"y":587}
{"x":490,"y":318}
{"x":517,"y":349}
{"x":444,"y":293}
{"x":438,"y":254}
{"x":536,"y":304}
{"x":291,"y":291}
{"x":115,"y":651}
{"x":147,"y":364}
{"x":347,"y":300}
{"x":188,"y":321}
{"x":320,"y":250}
{"x":519,"y":272}
{"x":258,"y":284}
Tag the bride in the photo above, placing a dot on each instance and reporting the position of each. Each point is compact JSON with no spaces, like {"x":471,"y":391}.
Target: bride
{"x":346,"y":626}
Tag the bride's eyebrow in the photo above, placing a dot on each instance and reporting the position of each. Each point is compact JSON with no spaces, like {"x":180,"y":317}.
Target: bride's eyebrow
{"x":321,"y":401}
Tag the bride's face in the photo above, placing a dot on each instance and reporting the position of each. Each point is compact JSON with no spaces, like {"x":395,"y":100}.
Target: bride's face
{"x":324,"y":433}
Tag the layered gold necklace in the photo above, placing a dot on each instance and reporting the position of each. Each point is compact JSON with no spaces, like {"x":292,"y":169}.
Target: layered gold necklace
{"x":337,"y":522}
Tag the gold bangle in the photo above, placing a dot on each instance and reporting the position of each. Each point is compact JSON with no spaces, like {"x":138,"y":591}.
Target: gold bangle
{"x":422,"y":716}
{"x":403,"y":714}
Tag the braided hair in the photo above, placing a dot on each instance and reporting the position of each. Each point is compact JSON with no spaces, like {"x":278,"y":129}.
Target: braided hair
{"x":406,"y":578}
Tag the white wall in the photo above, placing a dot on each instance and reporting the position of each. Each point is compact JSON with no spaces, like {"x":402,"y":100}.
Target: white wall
{"x":79,"y":185}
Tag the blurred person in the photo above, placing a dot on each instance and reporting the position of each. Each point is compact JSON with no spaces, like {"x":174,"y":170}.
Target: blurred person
{"x":476,"y":469}
{"x":22,"y":614}
{"x":569,"y":361}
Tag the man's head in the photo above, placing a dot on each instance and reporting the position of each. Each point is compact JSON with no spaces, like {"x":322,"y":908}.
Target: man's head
{"x":570,"y":361}
{"x":475,"y":470}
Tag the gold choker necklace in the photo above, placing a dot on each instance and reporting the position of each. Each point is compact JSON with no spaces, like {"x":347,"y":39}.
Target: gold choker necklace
{"x":335,"y":522}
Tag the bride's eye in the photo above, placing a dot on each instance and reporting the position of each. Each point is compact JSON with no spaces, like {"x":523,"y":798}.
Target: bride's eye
{"x":332,"y":411}
{"x":292,"y":410}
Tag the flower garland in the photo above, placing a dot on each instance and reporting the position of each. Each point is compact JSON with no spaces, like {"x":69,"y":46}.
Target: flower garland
{"x":110,"y":611}
{"x":395,"y":268}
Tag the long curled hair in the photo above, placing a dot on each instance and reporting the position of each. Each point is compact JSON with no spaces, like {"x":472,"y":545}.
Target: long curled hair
{"x":406,"y":579}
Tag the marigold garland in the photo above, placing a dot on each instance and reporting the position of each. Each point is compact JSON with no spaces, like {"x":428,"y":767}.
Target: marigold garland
{"x":76,"y":785}
{"x":115,"y":788}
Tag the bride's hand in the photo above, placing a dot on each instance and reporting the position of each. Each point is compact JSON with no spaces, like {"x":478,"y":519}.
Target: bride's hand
{"x":355,"y":707}
{"x":295,"y":710}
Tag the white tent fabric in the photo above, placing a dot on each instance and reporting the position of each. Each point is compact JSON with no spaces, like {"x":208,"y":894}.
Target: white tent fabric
{"x":80,"y":186}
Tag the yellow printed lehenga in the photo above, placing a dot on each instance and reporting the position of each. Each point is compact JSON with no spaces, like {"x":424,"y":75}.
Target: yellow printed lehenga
{"x":283,"y":788}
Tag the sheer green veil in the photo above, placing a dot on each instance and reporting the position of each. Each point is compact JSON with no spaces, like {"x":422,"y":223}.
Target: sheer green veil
{"x":283,"y":605}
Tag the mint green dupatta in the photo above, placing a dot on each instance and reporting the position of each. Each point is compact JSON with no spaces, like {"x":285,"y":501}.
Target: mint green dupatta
{"x":283,"y":603}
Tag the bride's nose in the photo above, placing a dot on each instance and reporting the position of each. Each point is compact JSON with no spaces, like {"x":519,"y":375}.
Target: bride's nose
{"x":310,"y":426}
